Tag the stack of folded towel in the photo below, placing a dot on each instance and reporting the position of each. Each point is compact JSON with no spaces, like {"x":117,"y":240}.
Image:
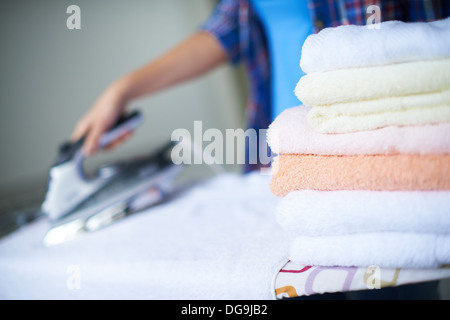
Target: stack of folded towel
{"x":363,"y":165}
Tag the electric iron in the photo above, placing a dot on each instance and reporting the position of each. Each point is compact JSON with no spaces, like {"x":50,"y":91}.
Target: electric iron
{"x":77,"y":203}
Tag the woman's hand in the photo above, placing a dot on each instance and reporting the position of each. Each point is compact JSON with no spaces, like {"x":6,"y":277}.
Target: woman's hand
{"x":100,"y":119}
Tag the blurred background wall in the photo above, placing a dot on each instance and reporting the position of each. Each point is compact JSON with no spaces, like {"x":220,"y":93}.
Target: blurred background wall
{"x":50,"y":76}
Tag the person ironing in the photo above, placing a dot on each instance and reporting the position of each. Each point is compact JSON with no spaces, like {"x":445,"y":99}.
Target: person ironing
{"x":232,"y":34}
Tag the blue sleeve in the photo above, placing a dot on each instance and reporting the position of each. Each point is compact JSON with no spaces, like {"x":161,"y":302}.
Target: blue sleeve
{"x":224,"y":25}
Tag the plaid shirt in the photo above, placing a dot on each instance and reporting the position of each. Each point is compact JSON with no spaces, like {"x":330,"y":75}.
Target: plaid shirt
{"x":326,"y":13}
{"x":239,"y":31}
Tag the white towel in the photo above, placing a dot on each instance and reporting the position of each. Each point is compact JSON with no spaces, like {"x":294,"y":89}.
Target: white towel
{"x":382,"y":249}
{"x":349,"y":85}
{"x":354,"y":46}
{"x":332,"y":213}
{"x":290,"y":132}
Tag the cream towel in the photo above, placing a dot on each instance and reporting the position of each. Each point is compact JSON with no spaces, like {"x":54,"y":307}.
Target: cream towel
{"x":411,"y":110}
{"x":369,"y":83}
{"x":352,"y":46}
{"x":382,"y":249}
{"x":291,"y":133}
{"x":332,"y":213}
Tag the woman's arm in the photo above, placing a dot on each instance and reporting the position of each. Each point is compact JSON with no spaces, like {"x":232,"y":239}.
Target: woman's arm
{"x":195,"y":56}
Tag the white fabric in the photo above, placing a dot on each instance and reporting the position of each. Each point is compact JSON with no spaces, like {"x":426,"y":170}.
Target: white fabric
{"x":219,"y":240}
{"x":352,"y":46}
{"x":324,"y":213}
{"x":382,"y":249}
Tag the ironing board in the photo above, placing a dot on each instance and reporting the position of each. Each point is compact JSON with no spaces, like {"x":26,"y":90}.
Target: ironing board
{"x":287,"y":24}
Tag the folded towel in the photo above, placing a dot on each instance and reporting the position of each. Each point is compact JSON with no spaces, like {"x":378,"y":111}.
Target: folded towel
{"x":383,"y":249}
{"x":331,"y":213}
{"x":352,"y":46}
{"x":387,"y":104}
{"x":369,"y":83}
{"x":384,"y":173}
{"x":412,"y":110}
{"x":291,"y":133}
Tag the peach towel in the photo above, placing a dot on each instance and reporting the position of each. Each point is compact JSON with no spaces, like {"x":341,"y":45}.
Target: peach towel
{"x":367,"y":172}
